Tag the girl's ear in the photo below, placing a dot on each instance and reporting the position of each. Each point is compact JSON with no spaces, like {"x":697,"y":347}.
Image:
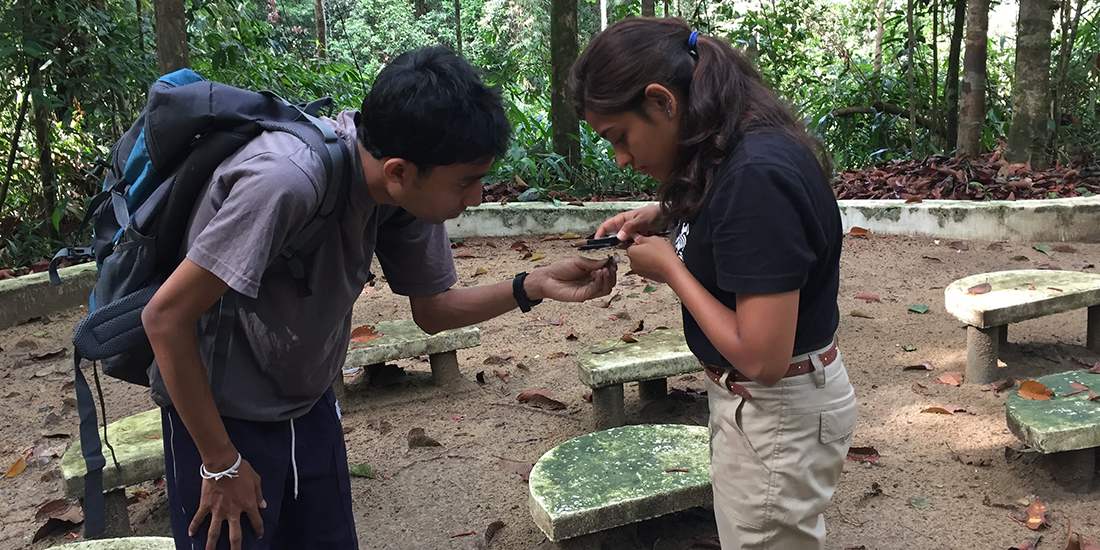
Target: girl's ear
{"x":660,"y":100}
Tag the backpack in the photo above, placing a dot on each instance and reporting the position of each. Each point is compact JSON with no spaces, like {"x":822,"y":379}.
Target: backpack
{"x":157,"y":170}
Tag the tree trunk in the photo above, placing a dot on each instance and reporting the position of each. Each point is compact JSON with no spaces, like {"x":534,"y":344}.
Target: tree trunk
{"x":880,"y":14}
{"x":972,"y":99}
{"x":649,"y":8}
{"x":322,"y":28}
{"x":1069,"y":23}
{"x":171,"y":35}
{"x":14,"y":148}
{"x":951,"y":87}
{"x":458,"y":28}
{"x":140,"y":29}
{"x":564,"y":124}
{"x":666,"y":7}
{"x":909,"y":8}
{"x":420,"y":7}
{"x":935,"y":81}
{"x":40,"y":119}
{"x":603,"y":14}
{"x":1027,"y":136}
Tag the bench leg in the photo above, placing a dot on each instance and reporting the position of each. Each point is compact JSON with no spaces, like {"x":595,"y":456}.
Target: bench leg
{"x":608,"y":402}
{"x":1003,"y":335}
{"x":1092,"y":337}
{"x":116,"y":514}
{"x":649,"y":390}
{"x":981,"y":354}
{"x":444,"y":367}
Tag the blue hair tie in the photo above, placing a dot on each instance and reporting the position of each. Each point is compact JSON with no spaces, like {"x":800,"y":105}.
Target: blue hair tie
{"x":692,"y":39}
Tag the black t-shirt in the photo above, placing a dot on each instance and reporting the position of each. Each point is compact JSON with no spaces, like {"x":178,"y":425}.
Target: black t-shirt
{"x":769,"y":224}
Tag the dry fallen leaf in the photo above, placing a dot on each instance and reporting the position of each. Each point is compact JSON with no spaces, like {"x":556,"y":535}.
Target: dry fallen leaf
{"x":466,"y":253}
{"x":18,"y":466}
{"x":503,"y":376}
{"x":868,"y":297}
{"x":1030,"y":389}
{"x":629,"y":338}
{"x":1036,"y":515}
{"x":918,"y":388}
{"x":859,"y":232}
{"x":979,"y":289}
{"x":572,"y":335}
{"x":556,"y":354}
{"x":528,"y":394}
{"x":951,"y":378}
{"x":543,"y":402}
{"x":860,"y":313}
{"x":519,"y":246}
{"x":516,"y":467}
{"x":480,"y":271}
{"x":1077,"y":388}
{"x":417,"y":438}
{"x":498,"y":359}
{"x":863,"y":454}
{"x":614,"y":296}
{"x":923,"y":366}
{"x":959,"y":245}
{"x":365,"y":333}
{"x":537,"y":257}
{"x":1093,"y":396}
{"x":1000,"y":385}
{"x":1075,"y":542}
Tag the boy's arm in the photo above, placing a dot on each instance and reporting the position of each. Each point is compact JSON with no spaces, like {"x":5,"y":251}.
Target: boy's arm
{"x":169,"y":321}
{"x":569,"y":280}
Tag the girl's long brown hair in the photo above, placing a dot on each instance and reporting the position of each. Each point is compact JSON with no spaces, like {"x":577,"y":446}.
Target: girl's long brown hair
{"x":721,"y":94}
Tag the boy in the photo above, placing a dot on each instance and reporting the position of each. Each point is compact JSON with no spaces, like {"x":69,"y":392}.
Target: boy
{"x":267,"y":444}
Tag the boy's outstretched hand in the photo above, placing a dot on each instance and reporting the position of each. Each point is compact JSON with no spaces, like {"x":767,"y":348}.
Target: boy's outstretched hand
{"x":572,"y":280}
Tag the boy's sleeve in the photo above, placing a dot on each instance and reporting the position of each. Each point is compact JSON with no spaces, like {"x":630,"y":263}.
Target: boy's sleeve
{"x":415,"y":256}
{"x":270,"y":199}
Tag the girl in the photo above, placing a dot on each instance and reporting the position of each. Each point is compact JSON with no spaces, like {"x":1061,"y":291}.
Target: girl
{"x":754,"y":259}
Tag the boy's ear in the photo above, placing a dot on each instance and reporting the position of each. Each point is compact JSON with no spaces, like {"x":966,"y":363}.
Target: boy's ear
{"x":398,"y":171}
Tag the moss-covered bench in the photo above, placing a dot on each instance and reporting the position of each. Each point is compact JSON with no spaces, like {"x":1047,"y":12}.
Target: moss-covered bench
{"x":619,"y":476}
{"x":1011,"y":297}
{"x":606,"y":366}
{"x":403,"y":340}
{"x":140,"y":454}
{"x":1066,"y":424}
{"x":126,"y":543}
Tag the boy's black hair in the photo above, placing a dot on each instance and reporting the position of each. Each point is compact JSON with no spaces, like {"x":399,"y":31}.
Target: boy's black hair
{"x":431,"y":108}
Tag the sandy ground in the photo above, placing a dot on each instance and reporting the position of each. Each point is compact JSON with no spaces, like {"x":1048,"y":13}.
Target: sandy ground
{"x":420,"y":497}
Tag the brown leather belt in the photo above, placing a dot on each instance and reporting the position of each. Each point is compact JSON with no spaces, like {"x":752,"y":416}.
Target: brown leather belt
{"x":797,"y":368}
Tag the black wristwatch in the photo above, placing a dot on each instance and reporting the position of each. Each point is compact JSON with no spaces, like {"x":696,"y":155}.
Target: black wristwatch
{"x":525,"y":303}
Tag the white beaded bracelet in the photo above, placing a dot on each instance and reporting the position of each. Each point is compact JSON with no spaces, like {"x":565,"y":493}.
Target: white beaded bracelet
{"x":230,"y":473}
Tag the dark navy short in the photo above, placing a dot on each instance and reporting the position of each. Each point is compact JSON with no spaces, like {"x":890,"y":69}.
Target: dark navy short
{"x":304,"y":456}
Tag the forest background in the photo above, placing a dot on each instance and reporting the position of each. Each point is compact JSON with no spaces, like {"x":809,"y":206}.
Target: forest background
{"x":879,"y":81}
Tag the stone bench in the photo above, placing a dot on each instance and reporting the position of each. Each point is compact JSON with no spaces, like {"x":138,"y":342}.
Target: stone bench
{"x":140,"y":454}
{"x":1065,"y":424}
{"x":403,"y":340}
{"x":606,"y":366}
{"x":620,"y":476}
{"x":127,"y":543}
{"x":1017,"y":296}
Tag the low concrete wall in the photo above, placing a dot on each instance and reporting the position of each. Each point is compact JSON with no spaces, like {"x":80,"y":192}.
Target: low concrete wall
{"x":30,"y":296}
{"x":1056,"y":220}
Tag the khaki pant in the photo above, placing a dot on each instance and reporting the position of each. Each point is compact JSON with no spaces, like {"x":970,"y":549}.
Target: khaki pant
{"x":776,"y":458}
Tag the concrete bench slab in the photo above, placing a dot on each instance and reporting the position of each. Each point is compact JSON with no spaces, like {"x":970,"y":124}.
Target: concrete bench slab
{"x":1066,"y":426}
{"x":1016,"y":296}
{"x":127,"y":543}
{"x":403,"y":339}
{"x":138,"y":448}
{"x":140,"y":454}
{"x":620,"y":476}
{"x":1061,"y":424}
{"x":606,"y":366}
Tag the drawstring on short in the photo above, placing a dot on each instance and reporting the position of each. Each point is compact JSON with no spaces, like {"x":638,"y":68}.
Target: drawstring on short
{"x":293,"y":458}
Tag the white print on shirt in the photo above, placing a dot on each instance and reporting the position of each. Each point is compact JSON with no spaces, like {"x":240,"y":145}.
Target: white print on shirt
{"x":682,"y":239}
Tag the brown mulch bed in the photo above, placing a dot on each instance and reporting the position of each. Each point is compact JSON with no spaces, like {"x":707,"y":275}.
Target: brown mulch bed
{"x":987,"y":178}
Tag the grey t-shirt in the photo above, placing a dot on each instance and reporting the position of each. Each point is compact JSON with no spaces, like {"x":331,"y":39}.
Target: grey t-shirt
{"x":286,"y":349}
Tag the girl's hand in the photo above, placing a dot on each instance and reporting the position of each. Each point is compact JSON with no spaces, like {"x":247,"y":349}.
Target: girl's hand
{"x":640,"y":221}
{"x":653,"y":258}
